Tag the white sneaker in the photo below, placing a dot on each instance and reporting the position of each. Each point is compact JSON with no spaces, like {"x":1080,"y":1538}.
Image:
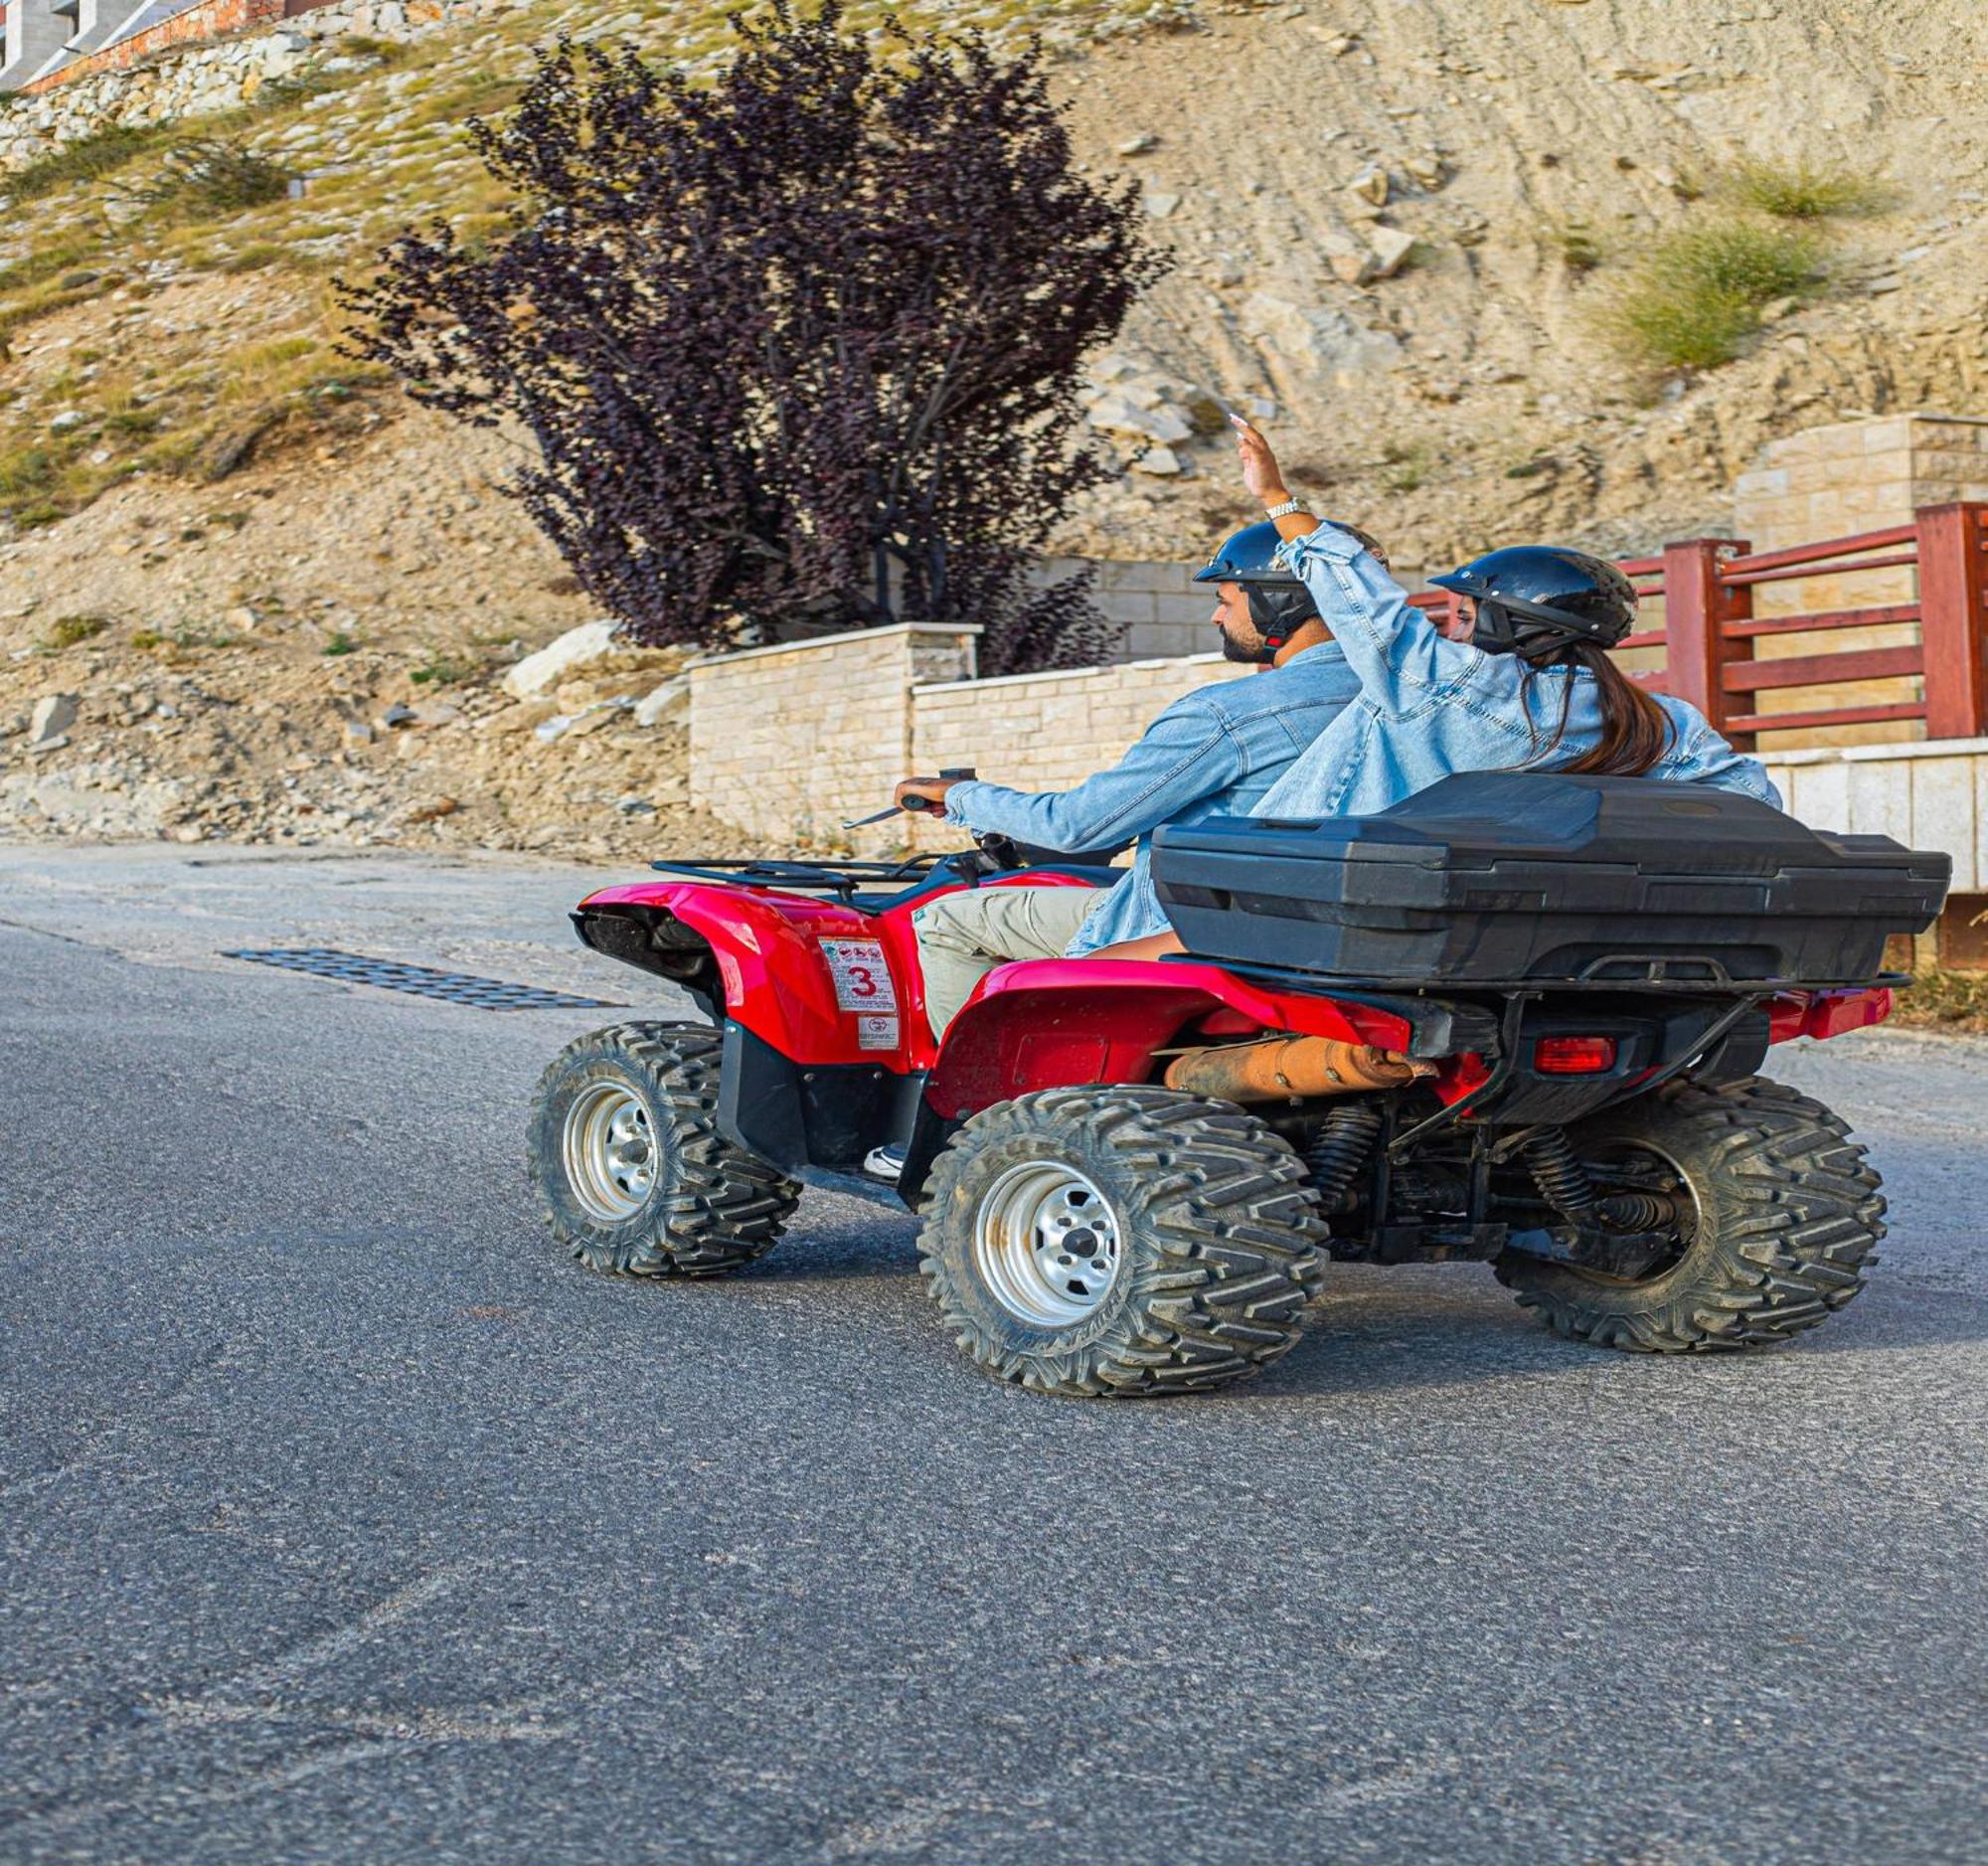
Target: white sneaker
{"x":885,"y":1163}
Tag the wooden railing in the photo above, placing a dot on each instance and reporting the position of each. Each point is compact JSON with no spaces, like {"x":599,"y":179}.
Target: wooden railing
{"x":1706,"y":586}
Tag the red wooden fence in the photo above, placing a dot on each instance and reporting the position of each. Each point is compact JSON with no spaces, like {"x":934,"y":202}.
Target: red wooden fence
{"x":1708,"y":627}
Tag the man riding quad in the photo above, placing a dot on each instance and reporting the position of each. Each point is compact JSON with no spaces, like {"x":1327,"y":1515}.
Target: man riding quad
{"x":1214,"y":752}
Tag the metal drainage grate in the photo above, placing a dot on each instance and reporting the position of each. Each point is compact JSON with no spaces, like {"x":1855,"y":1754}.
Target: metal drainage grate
{"x":488,"y":995}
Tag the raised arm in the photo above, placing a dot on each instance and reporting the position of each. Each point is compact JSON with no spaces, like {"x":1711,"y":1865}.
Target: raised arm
{"x":1405,"y":662}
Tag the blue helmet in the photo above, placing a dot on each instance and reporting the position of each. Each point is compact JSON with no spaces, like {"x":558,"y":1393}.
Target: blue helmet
{"x":1279,"y":603}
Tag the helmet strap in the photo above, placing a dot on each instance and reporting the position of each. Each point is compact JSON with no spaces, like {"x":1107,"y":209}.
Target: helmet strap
{"x":1278,"y":615}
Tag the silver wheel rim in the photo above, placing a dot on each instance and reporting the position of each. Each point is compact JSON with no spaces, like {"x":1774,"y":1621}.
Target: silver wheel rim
{"x":1045,"y":1244}
{"x":609,"y":1151}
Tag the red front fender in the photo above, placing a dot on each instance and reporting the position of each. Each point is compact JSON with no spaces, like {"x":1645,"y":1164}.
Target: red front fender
{"x":1058,"y":1023}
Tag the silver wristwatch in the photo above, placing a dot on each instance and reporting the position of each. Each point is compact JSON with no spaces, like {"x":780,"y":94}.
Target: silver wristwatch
{"x":1286,"y":509}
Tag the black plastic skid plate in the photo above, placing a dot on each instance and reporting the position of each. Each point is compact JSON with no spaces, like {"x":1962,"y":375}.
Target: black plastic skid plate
{"x":354,"y":968}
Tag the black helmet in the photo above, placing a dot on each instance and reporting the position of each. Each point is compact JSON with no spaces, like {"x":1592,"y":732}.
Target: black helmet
{"x":1279,"y":603}
{"x":1530,"y":596}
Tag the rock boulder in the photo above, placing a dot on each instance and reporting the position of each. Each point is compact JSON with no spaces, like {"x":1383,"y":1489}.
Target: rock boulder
{"x":538,"y":674}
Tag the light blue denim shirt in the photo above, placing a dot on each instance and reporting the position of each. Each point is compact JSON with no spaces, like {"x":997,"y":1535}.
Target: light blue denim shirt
{"x":1429,"y":706}
{"x":1214,"y":752}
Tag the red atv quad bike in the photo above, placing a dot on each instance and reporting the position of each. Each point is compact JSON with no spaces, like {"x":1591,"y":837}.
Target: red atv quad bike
{"x":1517,"y":1020}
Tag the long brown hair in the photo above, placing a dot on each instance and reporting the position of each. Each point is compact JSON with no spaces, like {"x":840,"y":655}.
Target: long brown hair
{"x":1635,"y":730}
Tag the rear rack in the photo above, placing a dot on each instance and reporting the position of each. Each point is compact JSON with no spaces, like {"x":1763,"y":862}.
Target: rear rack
{"x":1329,"y":983}
{"x":844,"y":880}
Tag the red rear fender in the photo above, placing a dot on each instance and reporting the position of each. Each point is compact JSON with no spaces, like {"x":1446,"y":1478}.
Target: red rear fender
{"x":1058,"y":1023}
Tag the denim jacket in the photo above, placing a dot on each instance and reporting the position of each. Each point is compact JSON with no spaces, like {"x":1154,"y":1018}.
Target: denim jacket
{"x":1214,"y":752}
{"x":1429,"y":706}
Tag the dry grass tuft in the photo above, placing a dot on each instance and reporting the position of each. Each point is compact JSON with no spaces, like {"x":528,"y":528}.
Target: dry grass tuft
{"x":1697,"y":294}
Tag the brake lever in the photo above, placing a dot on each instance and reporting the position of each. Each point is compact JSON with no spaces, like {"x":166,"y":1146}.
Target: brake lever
{"x":916,"y":805}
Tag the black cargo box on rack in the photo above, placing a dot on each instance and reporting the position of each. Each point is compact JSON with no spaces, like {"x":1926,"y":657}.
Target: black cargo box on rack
{"x":1521,"y":878}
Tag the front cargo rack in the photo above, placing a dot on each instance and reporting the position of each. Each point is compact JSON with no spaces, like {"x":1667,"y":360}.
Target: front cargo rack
{"x":844,"y":880}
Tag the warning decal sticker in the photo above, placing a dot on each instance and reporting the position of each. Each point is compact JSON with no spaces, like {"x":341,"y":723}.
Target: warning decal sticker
{"x":862,"y":979}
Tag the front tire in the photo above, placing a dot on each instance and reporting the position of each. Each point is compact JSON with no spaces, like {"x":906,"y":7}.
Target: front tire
{"x":1783,"y":1218}
{"x":631,"y":1172}
{"x":1120,"y":1242}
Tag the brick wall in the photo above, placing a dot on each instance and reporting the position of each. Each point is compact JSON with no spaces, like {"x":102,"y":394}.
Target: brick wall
{"x":1834,"y":482}
{"x":793,"y":740}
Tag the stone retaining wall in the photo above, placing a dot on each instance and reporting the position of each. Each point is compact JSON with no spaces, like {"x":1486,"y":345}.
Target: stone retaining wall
{"x":1838,"y":481}
{"x":1155,"y":608}
{"x":792,"y":741}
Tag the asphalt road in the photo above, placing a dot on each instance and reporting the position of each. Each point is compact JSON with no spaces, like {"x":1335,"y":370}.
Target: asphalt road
{"x":343,"y":1518}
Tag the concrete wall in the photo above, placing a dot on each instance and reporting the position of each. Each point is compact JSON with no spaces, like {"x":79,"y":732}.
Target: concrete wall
{"x":1834,"y":482}
{"x":1929,"y":796}
{"x":795,"y":739}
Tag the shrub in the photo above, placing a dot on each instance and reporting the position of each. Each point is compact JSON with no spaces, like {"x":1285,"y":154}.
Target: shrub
{"x":252,"y":257}
{"x":1407,"y":465}
{"x":1698,"y":292}
{"x":212,"y":175}
{"x":1942,"y":1000}
{"x":1800,"y":191}
{"x":802,"y":346}
{"x":70,"y":630}
{"x":363,"y":46}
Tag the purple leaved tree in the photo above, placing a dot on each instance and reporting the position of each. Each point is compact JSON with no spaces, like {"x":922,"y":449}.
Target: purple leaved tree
{"x":800,"y":348}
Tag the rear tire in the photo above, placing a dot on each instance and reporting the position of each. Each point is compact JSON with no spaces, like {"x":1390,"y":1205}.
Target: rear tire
{"x":1120,"y":1242}
{"x":631,"y":1172}
{"x":1786,"y":1216}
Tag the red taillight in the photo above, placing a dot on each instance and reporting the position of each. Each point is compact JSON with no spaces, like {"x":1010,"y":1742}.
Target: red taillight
{"x":1574,"y":1056}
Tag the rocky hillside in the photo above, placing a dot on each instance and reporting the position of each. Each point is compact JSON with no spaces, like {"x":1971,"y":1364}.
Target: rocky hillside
{"x":1401,"y":230}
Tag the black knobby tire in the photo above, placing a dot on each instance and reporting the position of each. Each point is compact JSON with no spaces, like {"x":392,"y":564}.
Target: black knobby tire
{"x":1219,"y":1245}
{"x":712,"y":1206}
{"x":1787,"y":1219}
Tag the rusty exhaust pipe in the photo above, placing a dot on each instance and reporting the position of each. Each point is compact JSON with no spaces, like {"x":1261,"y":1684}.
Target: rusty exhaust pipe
{"x":1281,"y":1067}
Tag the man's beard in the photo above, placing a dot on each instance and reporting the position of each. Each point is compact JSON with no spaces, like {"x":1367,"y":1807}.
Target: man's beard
{"x":1261,"y":655}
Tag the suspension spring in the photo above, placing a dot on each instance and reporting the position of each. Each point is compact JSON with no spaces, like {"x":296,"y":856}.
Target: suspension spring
{"x":1563,"y":1180}
{"x":1639,"y":1211}
{"x":1339,"y":1149}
